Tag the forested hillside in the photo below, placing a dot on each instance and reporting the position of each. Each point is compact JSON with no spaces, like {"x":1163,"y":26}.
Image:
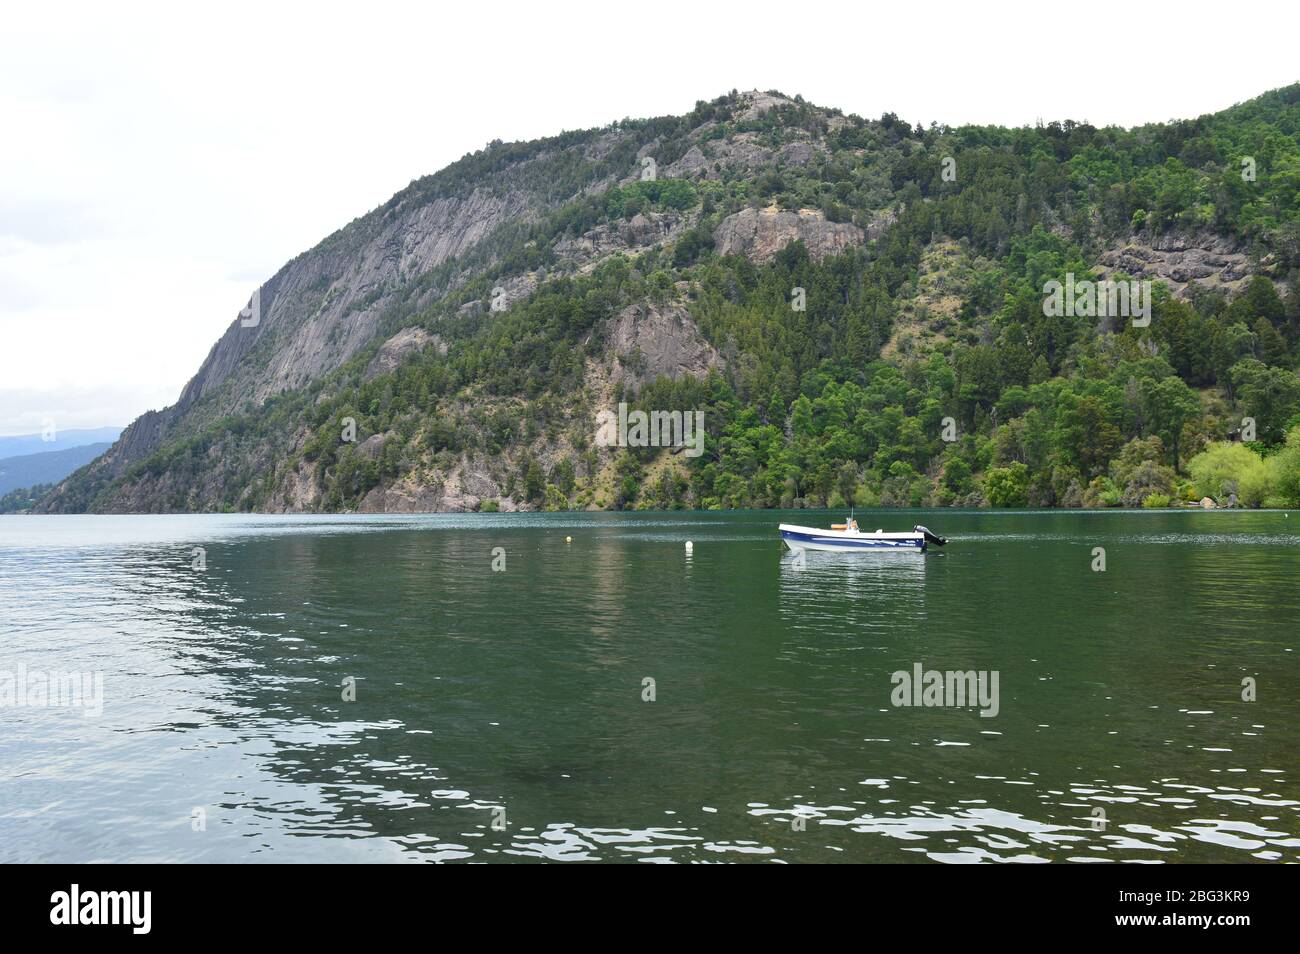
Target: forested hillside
{"x":856,"y":306}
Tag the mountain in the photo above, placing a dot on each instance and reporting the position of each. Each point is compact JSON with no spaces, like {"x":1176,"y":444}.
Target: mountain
{"x":56,"y":440}
{"x":856,"y":308}
{"x":29,"y":470}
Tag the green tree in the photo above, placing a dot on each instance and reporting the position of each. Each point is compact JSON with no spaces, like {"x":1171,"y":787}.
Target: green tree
{"x":1086,"y":435}
{"x":846,"y":482}
{"x":534,"y":481}
{"x":1268,"y":395}
{"x":1284,"y":468}
{"x":1272,"y":346}
{"x":1227,"y":468}
{"x":1169,"y":404}
{"x":1007,"y":486}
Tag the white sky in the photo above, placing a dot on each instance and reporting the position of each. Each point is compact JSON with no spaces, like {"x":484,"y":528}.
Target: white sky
{"x":158,"y":162}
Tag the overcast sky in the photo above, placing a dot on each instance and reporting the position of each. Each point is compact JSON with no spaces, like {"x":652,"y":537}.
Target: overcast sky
{"x":157,"y":163}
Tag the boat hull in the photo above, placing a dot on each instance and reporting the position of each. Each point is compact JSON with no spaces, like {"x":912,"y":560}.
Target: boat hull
{"x":810,"y":538}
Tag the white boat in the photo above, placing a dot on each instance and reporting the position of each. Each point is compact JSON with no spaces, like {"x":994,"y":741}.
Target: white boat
{"x":847,"y":536}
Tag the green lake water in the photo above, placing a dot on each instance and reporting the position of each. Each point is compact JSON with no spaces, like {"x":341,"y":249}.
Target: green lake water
{"x":504,"y":715}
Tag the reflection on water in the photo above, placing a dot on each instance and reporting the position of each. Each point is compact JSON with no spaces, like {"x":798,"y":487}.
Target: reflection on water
{"x":861,"y":592}
{"x":503,"y":715}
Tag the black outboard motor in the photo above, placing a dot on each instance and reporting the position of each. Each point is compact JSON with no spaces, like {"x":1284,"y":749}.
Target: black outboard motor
{"x":930,"y":537}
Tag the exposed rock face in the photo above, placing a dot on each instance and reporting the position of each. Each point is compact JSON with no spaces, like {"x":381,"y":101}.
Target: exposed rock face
{"x":319,"y":310}
{"x":1179,"y":260}
{"x":510,"y":290}
{"x":137,"y":441}
{"x":759,"y":234}
{"x":372,"y":446}
{"x":324,"y":306}
{"x":648,"y":341}
{"x":694,"y":164}
{"x":393,"y":351}
{"x":758,"y":102}
{"x":462,"y":490}
{"x":417,"y":498}
{"x":799,"y":153}
{"x":881,"y":221}
{"x":643,"y":230}
{"x":299,"y":493}
{"x":710,"y":156}
{"x":743,"y":152}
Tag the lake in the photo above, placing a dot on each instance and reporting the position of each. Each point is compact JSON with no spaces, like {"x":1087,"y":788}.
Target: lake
{"x":474,"y":687}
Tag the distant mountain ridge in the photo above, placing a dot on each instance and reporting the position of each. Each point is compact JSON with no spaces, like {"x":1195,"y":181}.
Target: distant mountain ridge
{"x":450,"y":349}
{"x":22,"y":444}
{"x":29,"y":470}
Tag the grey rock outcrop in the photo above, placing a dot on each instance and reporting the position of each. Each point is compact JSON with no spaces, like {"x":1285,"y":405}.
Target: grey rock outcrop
{"x":325,"y":305}
{"x":1214,"y":261}
{"x":743,"y":152}
{"x":643,"y":230}
{"x":393,"y":351}
{"x":463,"y":489}
{"x":650,"y":341}
{"x":756,"y":102}
{"x":759,"y":234}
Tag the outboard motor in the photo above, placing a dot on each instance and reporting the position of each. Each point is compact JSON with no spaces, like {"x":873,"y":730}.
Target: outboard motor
{"x":930,"y":537}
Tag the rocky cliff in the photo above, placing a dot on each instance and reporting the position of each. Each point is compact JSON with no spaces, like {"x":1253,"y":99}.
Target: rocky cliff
{"x":330,"y":303}
{"x":324,"y":306}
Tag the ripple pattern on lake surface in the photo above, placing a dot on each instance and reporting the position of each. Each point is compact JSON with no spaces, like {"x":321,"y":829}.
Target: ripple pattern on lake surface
{"x":500,"y":715}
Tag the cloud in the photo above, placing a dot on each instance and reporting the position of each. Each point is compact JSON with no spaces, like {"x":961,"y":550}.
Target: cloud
{"x":26,"y":410}
{"x":161,"y":161}
{"x":46,"y":221}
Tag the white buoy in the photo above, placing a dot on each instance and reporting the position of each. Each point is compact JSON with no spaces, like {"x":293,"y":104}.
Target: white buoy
{"x":568,"y":539}
{"x":689,"y":546}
